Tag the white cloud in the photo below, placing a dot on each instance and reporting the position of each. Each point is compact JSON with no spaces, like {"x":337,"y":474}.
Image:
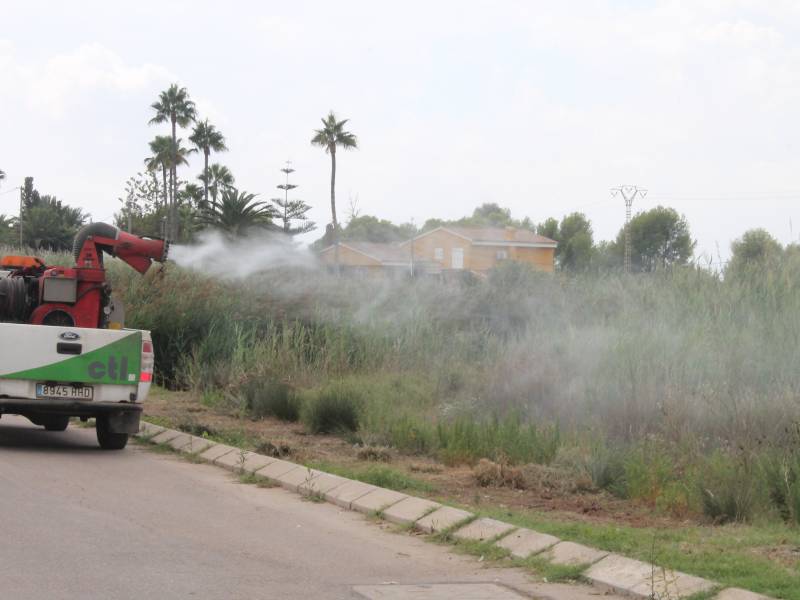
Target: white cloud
{"x":56,"y":84}
{"x":740,"y":33}
{"x":208,"y":109}
{"x":281,"y":30}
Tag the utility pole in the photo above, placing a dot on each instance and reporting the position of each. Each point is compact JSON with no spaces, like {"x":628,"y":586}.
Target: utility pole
{"x":411,"y":249}
{"x":628,"y":193}
{"x":286,"y":187}
{"x":21,"y":197}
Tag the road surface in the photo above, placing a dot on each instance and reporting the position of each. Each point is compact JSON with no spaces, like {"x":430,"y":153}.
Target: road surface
{"x":82,"y":523}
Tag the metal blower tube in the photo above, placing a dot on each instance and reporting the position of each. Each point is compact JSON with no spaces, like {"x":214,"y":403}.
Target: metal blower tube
{"x":148,"y":247}
{"x":138,"y":252}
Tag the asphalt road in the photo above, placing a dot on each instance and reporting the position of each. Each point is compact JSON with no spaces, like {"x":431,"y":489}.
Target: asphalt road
{"x":82,"y":523}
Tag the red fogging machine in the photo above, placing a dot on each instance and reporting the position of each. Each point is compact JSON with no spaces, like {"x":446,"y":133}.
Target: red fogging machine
{"x":31,"y":292}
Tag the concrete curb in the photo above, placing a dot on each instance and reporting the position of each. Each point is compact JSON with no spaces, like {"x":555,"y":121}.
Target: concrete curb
{"x":604,"y":570}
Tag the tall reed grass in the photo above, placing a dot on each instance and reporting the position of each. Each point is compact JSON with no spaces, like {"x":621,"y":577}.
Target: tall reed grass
{"x":679,"y":388}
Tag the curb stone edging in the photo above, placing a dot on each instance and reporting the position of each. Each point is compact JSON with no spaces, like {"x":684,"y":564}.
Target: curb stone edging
{"x":604,"y":570}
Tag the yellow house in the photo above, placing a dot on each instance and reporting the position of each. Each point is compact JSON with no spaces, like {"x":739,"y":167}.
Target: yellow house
{"x":445,"y":249}
{"x":479,"y":249}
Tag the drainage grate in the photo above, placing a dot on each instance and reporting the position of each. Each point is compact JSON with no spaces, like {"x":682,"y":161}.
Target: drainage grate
{"x":437,"y":591}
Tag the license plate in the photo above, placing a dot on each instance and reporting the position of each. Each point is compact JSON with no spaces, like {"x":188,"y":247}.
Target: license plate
{"x":68,"y":392}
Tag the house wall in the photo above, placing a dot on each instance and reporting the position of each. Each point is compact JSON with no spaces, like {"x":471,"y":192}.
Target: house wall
{"x":483,"y":258}
{"x":543,"y":259}
{"x":424,"y":248}
{"x":479,"y":258}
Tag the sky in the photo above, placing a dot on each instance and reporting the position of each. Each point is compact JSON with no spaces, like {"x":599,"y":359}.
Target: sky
{"x":541,"y":107}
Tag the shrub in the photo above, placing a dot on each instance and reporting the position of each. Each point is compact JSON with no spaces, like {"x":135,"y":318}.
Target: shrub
{"x":334,"y":408}
{"x":729,"y":488}
{"x":265,"y":397}
{"x":596,"y":465}
{"x":782,"y":477}
{"x":650,"y":468}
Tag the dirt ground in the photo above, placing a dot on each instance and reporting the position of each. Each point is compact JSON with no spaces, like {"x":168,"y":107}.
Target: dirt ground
{"x":545,"y":489}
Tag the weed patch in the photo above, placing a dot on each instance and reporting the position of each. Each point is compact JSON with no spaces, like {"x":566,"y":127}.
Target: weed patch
{"x":553,"y":573}
{"x":379,"y":475}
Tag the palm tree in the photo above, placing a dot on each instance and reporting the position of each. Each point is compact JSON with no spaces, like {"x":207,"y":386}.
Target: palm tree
{"x":179,"y":156}
{"x":7,"y":225}
{"x":237,"y":213}
{"x":161,"y":148}
{"x":331,"y":136}
{"x":217,"y":177}
{"x":175,"y":107}
{"x":193,"y":194}
{"x":167,"y":156}
{"x":206,"y":138}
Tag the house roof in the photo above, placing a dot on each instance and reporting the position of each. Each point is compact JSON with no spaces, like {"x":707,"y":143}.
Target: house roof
{"x":384,"y":253}
{"x":500,"y":234}
{"x":491,"y":236}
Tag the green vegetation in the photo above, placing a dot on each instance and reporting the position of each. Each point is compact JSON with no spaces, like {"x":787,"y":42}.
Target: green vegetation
{"x":333,"y":409}
{"x":236,"y":213}
{"x":176,"y":108}
{"x":47,"y":223}
{"x":379,"y":475}
{"x":761,"y":558}
{"x":675,"y":388}
{"x":206,"y":138}
{"x":552,"y":572}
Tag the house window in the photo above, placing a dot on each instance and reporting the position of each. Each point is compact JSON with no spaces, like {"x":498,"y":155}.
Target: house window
{"x":438,"y":253}
{"x":502,"y":255}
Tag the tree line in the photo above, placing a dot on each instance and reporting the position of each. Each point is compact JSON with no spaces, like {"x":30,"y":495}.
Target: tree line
{"x":660,"y":238}
{"x":157,"y":202}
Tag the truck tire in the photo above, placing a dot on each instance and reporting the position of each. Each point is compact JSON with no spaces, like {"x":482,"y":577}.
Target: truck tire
{"x":107,"y":439}
{"x":55,"y":422}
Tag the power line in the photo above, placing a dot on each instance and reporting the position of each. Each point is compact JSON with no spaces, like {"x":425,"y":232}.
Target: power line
{"x":783,"y":195}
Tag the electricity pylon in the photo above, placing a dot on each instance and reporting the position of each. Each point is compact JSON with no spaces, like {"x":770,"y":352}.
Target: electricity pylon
{"x":628,"y":193}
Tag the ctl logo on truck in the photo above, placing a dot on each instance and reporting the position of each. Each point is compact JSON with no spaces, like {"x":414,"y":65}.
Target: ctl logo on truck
{"x":116,"y":363}
{"x":112,"y":369}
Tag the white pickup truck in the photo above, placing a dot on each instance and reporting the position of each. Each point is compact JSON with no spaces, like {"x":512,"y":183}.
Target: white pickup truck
{"x":49,"y":374}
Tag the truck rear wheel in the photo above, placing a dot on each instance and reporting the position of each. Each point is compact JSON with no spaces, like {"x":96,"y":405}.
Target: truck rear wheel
{"x":107,"y":439}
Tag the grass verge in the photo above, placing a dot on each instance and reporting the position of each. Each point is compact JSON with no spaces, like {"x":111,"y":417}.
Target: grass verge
{"x":379,"y":475}
{"x":764,"y":559}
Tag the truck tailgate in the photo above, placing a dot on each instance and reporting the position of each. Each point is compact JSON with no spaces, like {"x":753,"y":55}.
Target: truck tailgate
{"x":107,"y":360}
